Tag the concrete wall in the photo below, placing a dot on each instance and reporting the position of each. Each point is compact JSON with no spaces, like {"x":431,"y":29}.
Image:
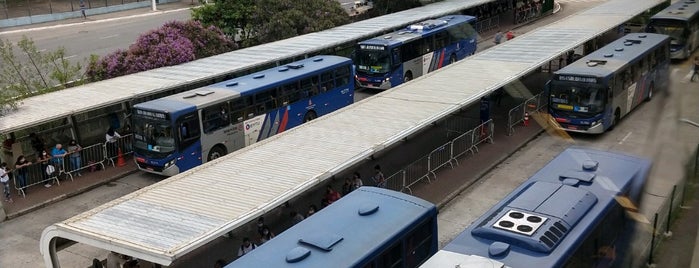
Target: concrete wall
{"x":75,"y":14}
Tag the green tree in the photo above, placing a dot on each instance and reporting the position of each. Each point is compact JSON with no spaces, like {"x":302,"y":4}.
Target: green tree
{"x":280,"y":19}
{"x":262,"y":21}
{"x":27,"y":71}
{"x":233,"y":17}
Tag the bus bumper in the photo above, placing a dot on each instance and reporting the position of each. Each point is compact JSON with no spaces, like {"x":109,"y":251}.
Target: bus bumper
{"x":169,"y":171}
{"x":679,"y":54}
{"x":595,"y":129}
{"x":383,"y":86}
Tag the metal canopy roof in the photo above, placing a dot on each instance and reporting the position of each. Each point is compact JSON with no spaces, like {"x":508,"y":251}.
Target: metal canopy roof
{"x":166,"y":220}
{"x":33,"y":112}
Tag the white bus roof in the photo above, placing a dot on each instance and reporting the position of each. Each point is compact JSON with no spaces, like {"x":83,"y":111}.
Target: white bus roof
{"x":33,"y":112}
{"x":164,"y":221}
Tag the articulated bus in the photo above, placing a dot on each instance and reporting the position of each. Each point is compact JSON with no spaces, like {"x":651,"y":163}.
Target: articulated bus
{"x":681,"y":22}
{"x":571,"y":213}
{"x":369,"y":227}
{"x":178,"y":132}
{"x":389,"y":60}
{"x":592,"y":94}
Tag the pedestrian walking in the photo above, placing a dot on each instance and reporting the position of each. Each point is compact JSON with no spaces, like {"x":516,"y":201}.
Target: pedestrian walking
{"x":112,"y":137}
{"x":695,"y":72}
{"x":246,"y":247}
{"x":82,"y":9}
{"x":510,"y":35}
{"x":378,"y":177}
{"x":498,"y":37}
{"x":5,"y":180}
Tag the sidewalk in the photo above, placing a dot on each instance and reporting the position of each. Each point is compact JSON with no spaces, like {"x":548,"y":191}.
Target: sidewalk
{"x":38,"y":196}
{"x":119,"y":15}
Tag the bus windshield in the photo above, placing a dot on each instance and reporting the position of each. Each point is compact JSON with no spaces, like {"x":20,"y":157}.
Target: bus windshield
{"x":576,"y":97}
{"x":676,"y":29}
{"x":153,"y":137}
{"x":373,"y":61}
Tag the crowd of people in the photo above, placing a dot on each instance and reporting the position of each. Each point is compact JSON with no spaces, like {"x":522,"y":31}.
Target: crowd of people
{"x":264,"y":232}
{"x":45,"y":164}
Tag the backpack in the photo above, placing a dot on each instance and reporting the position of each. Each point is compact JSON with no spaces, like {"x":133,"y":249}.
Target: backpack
{"x":50,"y":169}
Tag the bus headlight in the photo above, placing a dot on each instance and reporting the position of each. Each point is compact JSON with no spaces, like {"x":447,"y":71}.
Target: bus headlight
{"x":172,"y":162}
{"x":388,"y":79}
{"x":597,"y":122}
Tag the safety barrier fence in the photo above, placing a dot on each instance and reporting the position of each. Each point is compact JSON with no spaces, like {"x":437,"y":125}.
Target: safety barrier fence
{"x":516,"y":115}
{"x":90,"y":158}
{"x":444,"y":155}
{"x":488,"y":24}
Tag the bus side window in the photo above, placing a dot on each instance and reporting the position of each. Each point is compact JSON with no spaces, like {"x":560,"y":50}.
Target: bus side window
{"x":440,"y":39}
{"x":342,"y":76}
{"x":215,"y":117}
{"x":326,"y":81}
{"x":309,"y":88}
{"x":237,"y":113}
{"x":396,"y":56}
{"x":418,"y":246}
{"x":653,"y":62}
{"x":392,"y":257}
{"x":188,"y":128}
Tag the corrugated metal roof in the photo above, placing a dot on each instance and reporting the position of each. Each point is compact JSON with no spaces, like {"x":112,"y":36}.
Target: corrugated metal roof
{"x":32,"y":111}
{"x":175,"y":216}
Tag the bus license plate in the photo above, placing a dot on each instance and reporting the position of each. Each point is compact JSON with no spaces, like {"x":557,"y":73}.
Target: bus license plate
{"x":572,"y":127}
{"x":140,"y":160}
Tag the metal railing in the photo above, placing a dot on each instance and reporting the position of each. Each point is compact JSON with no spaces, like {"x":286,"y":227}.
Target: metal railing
{"x":488,"y":24}
{"x":443,"y":155}
{"x":72,"y":164}
{"x":123,"y":145}
{"x":516,"y":115}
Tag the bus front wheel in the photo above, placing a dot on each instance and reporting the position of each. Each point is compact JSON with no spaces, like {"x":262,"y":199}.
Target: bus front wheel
{"x":216,"y":152}
{"x":615,"y":119}
{"x":310,"y":116}
{"x":452,"y":59}
{"x":408,"y":76}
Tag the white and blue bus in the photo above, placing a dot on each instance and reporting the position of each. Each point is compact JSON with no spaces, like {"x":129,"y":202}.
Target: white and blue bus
{"x":175,"y":133}
{"x":389,"y":60}
{"x":370,"y":227}
{"x":592,"y":94}
{"x":571,"y":213}
{"x":681,"y":22}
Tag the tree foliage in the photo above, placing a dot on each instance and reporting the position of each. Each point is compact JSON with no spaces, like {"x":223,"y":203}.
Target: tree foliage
{"x":174,"y":43}
{"x":26,"y":71}
{"x":262,"y":21}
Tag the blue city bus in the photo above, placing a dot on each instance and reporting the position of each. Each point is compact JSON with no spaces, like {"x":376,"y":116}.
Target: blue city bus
{"x":369,"y":227}
{"x":392,"y":59}
{"x":681,"y":22}
{"x":570,"y":213}
{"x":175,"y":133}
{"x":592,"y":94}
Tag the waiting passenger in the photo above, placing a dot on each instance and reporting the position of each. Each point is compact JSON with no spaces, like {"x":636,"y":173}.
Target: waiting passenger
{"x":267,"y":234}
{"x":331,"y":195}
{"x":311,"y":210}
{"x":246,"y":247}
{"x":357,"y":181}
{"x":296,"y":217}
{"x":58,"y":153}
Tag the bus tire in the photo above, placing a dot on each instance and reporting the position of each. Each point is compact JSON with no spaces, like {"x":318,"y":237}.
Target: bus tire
{"x":310,"y":115}
{"x":615,"y":119}
{"x":650,"y":91}
{"x":452,"y":59}
{"x":216,"y":152}
{"x":408,"y":76}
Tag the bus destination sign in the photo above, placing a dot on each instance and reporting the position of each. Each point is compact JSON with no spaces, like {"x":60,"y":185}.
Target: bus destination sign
{"x":572,"y":78}
{"x":372,"y":47}
{"x":151,"y":114}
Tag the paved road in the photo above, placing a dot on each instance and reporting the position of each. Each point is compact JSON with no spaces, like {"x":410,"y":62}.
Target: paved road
{"x":652,"y":130}
{"x":95,"y":37}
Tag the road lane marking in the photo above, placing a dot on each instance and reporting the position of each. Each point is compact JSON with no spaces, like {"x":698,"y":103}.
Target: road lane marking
{"x":71,"y":56}
{"x":109,"y":36}
{"x":625,"y":137}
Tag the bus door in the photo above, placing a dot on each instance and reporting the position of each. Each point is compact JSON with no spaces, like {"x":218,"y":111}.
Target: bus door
{"x":189,"y":141}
